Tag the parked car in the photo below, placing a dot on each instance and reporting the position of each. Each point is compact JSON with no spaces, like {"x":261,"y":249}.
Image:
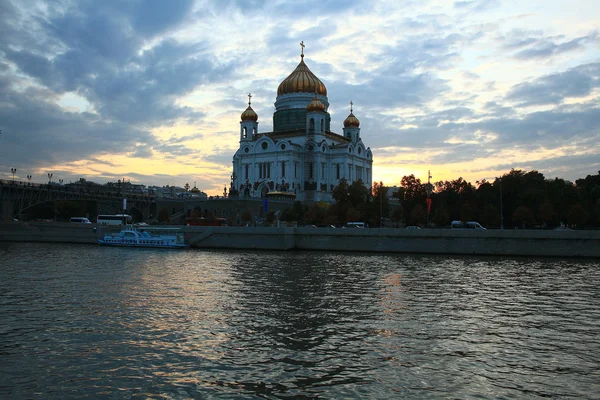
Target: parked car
{"x":80,"y":220}
{"x":412,"y":227}
{"x":563,"y":228}
{"x":466,"y":225}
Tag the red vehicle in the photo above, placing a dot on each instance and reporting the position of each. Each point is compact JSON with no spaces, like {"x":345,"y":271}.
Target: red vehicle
{"x":205,"y":222}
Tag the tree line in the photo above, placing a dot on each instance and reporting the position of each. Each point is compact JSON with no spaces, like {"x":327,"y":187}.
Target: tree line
{"x":516,"y":199}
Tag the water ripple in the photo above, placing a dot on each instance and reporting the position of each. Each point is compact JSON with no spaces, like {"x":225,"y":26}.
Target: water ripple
{"x":87,"y":321}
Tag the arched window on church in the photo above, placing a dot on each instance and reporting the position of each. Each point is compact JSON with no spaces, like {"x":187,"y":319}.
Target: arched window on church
{"x":322,"y":125}
{"x":253,"y":132}
{"x":312,"y":124}
{"x":244,"y":133}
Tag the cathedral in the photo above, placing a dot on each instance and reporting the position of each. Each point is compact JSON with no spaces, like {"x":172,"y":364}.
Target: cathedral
{"x":302,"y":157}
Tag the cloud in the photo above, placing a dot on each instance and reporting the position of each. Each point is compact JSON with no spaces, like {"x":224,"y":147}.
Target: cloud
{"x":546,"y":47}
{"x":476,"y":5}
{"x":553,"y":89}
{"x":445,"y":82}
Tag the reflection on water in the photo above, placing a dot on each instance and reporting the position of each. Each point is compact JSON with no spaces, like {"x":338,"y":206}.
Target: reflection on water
{"x":91,"y":321}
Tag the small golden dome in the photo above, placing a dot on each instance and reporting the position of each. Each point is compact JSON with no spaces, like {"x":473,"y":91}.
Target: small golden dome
{"x":249,"y":115}
{"x":195,"y":190}
{"x":302,"y":80}
{"x":351,"y":120}
{"x":315,"y":105}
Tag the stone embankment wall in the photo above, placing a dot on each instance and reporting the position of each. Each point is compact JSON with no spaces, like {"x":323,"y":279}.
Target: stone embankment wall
{"x":53,"y":232}
{"x":426,"y":241}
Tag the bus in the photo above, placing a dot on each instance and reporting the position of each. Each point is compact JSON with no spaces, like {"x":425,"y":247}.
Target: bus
{"x":116,"y":219}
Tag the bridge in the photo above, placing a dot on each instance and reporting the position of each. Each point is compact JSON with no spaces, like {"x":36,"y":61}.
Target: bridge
{"x":16,"y":197}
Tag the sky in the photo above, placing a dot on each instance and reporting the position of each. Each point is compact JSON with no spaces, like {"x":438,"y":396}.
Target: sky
{"x":152,"y":91}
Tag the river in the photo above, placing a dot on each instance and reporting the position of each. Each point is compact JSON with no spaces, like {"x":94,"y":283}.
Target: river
{"x":85,"y":321}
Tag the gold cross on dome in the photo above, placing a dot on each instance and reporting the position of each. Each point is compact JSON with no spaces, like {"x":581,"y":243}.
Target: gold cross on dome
{"x":249,"y":98}
{"x":351,"y":103}
{"x":302,"y":46}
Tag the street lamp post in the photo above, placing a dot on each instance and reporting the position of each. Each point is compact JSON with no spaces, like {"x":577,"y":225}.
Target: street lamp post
{"x":14,"y":171}
{"x":49,"y":178}
{"x":501,"y":211}
{"x":380,"y":208}
{"x":29,"y":179}
{"x":428,"y":190}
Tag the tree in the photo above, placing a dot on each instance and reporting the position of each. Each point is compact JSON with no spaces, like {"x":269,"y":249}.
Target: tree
{"x":577,"y":215}
{"x":340,"y":192}
{"x":246,"y":216}
{"x":397,"y":216}
{"x":380,"y":204}
{"x":293,"y":213}
{"x":466,"y":212}
{"x":418,"y":215}
{"x":547,"y":214}
{"x":523,"y":216}
{"x":413,"y":193}
{"x":357,"y":193}
{"x":317,"y":213}
{"x":440,"y":217}
{"x":490,"y":216}
{"x":351,"y":202}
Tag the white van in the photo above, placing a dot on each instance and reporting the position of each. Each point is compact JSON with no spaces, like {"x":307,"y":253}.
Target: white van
{"x":80,"y":220}
{"x":466,"y":225}
{"x":354,"y":225}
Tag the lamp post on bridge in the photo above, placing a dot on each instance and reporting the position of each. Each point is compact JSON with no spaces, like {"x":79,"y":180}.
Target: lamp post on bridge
{"x":49,"y":178}
{"x":14,"y":171}
{"x":29,"y":179}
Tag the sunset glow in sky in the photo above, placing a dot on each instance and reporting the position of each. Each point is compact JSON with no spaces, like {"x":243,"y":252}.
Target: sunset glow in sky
{"x":152,"y":91}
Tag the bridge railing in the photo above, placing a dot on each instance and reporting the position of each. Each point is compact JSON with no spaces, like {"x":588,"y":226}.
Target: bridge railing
{"x":95,"y":191}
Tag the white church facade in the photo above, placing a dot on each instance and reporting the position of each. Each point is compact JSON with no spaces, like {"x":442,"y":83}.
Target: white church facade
{"x":302,"y":155}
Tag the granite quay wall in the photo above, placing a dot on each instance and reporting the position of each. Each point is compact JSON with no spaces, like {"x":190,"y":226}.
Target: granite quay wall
{"x":53,"y":232}
{"x":426,"y":241}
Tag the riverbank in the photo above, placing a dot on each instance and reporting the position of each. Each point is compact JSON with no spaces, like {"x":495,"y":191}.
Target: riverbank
{"x":426,"y":241}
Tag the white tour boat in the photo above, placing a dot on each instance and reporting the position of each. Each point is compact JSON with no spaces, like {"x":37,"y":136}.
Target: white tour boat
{"x":134,"y":237}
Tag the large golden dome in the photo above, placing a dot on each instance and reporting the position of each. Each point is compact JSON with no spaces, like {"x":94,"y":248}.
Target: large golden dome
{"x":302,"y":80}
